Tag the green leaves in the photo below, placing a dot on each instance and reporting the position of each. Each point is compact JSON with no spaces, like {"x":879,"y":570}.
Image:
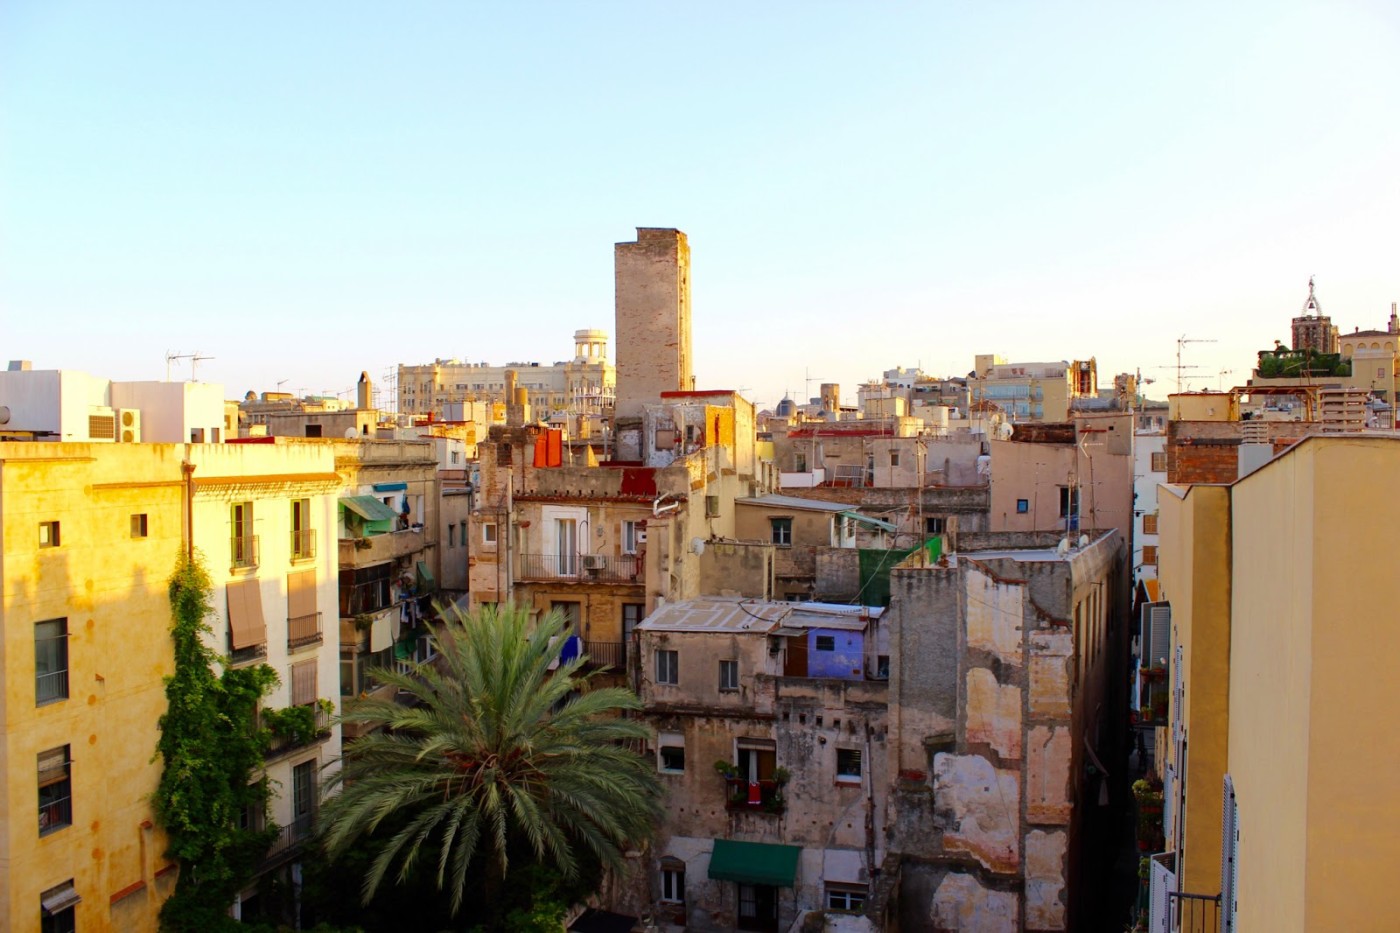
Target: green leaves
{"x":211,"y":745}
{"x":496,"y":753}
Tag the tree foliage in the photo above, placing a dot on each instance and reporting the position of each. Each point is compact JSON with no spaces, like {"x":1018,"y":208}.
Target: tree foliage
{"x":501,"y":757}
{"x":212,"y":746}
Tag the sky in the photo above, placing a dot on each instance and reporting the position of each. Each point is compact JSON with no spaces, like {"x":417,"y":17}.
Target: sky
{"x":304,"y":191}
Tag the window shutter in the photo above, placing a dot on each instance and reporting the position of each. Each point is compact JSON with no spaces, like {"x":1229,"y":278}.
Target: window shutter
{"x":304,"y":683}
{"x":1159,"y":643}
{"x":1229,"y":856}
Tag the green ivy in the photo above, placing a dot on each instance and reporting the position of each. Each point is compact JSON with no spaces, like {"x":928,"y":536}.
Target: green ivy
{"x":295,"y":723}
{"x":212,"y":746}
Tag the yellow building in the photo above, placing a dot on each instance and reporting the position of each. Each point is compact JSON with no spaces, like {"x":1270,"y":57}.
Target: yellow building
{"x":91,"y":533}
{"x":1286,"y":598}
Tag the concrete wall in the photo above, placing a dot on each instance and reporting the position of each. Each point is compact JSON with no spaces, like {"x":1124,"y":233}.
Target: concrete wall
{"x":652,"y":282}
{"x":754,"y":523}
{"x":170,"y":411}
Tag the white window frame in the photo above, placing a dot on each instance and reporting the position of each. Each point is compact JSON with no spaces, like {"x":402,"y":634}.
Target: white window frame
{"x":728,"y":675}
{"x":846,"y":898}
{"x":488,"y":533}
{"x":629,"y":537}
{"x":672,"y":885}
{"x":668,"y":662}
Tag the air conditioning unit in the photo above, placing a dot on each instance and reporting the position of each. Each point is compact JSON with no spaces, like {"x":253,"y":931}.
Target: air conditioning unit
{"x":129,"y":425}
{"x":594,"y":561}
{"x":102,"y":424}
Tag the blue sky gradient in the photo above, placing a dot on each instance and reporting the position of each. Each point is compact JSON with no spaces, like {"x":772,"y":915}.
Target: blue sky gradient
{"x":303,"y":191}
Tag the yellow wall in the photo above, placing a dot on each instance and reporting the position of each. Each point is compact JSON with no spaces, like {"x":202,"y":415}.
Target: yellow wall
{"x":1195,"y":574}
{"x":111,"y":588}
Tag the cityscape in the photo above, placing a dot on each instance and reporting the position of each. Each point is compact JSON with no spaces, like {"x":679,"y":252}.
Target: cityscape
{"x":903,"y":580}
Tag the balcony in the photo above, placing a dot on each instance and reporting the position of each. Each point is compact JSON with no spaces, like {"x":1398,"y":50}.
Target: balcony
{"x":303,"y":631}
{"x":375,"y":549}
{"x":753,"y":797}
{"x":304,"y":544}
{"x":50,"y":687}
{"x":292,"y":728}
{"x":581,"y":568}
{"x":604,"y":655}
{"x":246,"y":655}
{"x":289,"y":841}
{"x":243,"y":551}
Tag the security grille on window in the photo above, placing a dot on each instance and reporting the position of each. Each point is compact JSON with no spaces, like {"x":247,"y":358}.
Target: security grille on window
{"x":667,"y":667}
{"x":670,"y":752}
{"x":848,"y":765}
{"x":729,"y":675}
{"x":55,"y":790}
{"x":50,"y":661}
{"x":826,"y":642}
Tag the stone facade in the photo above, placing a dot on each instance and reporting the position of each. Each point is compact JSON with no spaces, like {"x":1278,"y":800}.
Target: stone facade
{"x":653,"y":318}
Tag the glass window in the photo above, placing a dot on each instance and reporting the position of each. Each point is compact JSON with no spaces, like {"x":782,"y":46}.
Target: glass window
{"x":673,"y":881}
{"x":488,"y":533}
{"x":729,"y":675}
{"x":933,"y":525}
{"x":826,"y":642}
{"x":671,"y":754}
{"x":48,"y":534}
{"x":55,"y":790}
{"x":848,"y":764}
{"x":50,"y":661}
{"x":629,"y":537}
{"x":847,"y":897}
{"x":667,"y":667}
{"x":782,"y":531}
{"x":138,"y":525}
{"x":1023,"y":506}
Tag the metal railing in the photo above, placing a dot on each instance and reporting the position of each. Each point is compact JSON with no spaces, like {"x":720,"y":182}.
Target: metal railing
{"x":285,"y":743}
{"x":755,"y":796}
{"x":244,"y":655}
{"x":606,"y":654}
{"x":289,"y":839}
{"x":304,"y":544}
{"x":52,"y":686}
{"x":303,"y":630}
{"x":581,"y":568}
{"x":243,"y":550}
{"x":55,"y":813}
{"x":370,"y":596}
{"x":1194,"y":913}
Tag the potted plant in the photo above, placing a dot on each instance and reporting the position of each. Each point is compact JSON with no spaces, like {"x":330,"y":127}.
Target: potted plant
{"x":726,"y":770}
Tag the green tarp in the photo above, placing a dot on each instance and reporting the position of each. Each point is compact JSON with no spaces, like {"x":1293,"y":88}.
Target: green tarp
{"x":754,"y":863}
{"x":875,"y":567}
{"x":426,"y":584}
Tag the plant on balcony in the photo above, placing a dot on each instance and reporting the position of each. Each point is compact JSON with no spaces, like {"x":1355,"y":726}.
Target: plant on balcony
{"x":781,"y":775}
{"x":726,"y":769}
{"x":363,"y":544}
{"x":499,"y":764}
{"x":364,"y":621}
{"x":295,"y":724}
{"x":211,"y":746}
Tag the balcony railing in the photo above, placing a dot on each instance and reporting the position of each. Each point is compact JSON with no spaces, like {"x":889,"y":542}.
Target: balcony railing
{"x":606,"y":654}
{"x":755,"y":796}
{"x":50,"y":687}
{"x":303,"y":631}
{"x":243,"y":550}
{"x":244,"y":655}
{"x":289,"y":840}
{"x":281,"y":744}
{"x":581,"y":568}
{"x":304,"y":544}
{"x":372,"y":549}
{"x":1194,"y":913}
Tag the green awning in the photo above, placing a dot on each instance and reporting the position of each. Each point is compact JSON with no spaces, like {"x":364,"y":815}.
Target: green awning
{"x":754,"y":863}
{"x":426,"y":583}
{"x":369,"y":508}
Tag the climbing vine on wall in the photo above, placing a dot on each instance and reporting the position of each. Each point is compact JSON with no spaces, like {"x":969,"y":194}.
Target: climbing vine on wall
{"x":212,"y":746}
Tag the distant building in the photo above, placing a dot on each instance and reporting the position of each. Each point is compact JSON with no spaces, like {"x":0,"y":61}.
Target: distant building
{"x":1032,"y":391}
{"x":1313,"y":330}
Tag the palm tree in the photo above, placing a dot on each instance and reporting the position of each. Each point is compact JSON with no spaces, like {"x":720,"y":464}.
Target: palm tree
{"x":500,"y":754}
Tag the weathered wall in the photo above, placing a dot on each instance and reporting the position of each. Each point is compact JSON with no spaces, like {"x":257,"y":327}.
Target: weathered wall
{"x":735,"y":569}
{"x":652,"y":300}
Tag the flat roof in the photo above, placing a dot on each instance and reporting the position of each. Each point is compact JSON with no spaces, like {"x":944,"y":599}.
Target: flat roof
{"x":755,"y":616}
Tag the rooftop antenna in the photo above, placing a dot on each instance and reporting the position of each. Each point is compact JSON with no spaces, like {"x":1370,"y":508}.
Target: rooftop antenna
{"x":1220,"y":379}
{"x":1182,"y":341}
{"x":194,"y":359}
{"x":281,"y":383}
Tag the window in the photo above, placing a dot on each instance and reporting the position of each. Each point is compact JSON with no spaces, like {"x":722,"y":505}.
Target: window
{"x":50,"y":661}
{"x":488,"y":533}
{"x":303,"y":798}
{"x":729,"y":675}
{"x":933,"y":525}
{"x":894,"y":458}
{"x":196,"y":435}
{"x":712,"y":506}
{"x":55,"y":790}
{"x":847,"y":897}
{"x":243,"y":544}
{"x":1023,"y":506}
{"x":629,"y":537}
{"x":303,"y":679}
{"x":673,"y":881}
{"x":1069,"y":505}
{"x":303,"y":538}
{"x":138,"y":525}
{"x":848,"y":765}
{"x":1149,"y":524}
{"x":667,"y":667}
{"x":826,"y":642}
{"x":48,"y":534}
{"x":782,"y":531}
{"x":56,"y":914}
{"x":313,"y":430}
{"x":1159,"y":461}
{"x":570,"y":612}
{"x":456,"y":456}
{"x":1149,"y":555}
{"x":670,"y":753}
{"x":631,"y":615}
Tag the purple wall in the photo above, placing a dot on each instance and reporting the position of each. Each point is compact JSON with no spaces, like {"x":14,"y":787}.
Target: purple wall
{"x":845,"y":662}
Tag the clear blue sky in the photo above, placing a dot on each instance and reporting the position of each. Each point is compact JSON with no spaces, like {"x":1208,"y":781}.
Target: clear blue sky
{"x":306,"y":190}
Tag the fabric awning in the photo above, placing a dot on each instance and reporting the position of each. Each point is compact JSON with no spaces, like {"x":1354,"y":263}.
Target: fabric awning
{"x":56,"y":900}
{"x":369,"y":508}
{"x":245,"y":614}
{"x":301,"y":594}
{"x":426,"y":583}
{"x":754,"y":863}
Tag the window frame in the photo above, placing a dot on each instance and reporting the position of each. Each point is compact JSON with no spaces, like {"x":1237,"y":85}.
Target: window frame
{"x":672,"y":882}
{"x":489,"y":533}
{"x":1023,"y":506}
{"x":852,"y":897}
{"x":629,"y":537}
{"x":850,"y":776}
{"x":1149,"y":523}
{"x":1158,"y":457}
{"x":670,"y":742}
{"x":61,"y":806}
{"x":668,"y":662}
{"x":140,"y":525}
{"x":780,"y":530}
{"x":730,"y":683}
{"x":824,"y":643}
{"x":50,"y":534}
{"x":62,"y":649}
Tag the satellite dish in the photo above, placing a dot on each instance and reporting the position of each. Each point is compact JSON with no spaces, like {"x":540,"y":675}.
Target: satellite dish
{"x":697,"y":546}
{"x":1063,"y":548}
{"x":351,"y":434}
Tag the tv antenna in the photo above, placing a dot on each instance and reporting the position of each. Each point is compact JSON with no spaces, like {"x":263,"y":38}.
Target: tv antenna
{"x":1181,"y":342}
{"x":194,"y":359}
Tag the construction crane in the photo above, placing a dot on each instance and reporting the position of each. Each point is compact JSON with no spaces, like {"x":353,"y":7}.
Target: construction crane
{"x":1181,"y":342}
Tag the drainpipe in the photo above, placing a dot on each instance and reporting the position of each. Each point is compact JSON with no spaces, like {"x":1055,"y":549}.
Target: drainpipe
{"x":187,"y":470}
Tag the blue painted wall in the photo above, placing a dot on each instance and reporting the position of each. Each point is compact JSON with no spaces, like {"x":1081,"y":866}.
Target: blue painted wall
{"x":846,"y":662}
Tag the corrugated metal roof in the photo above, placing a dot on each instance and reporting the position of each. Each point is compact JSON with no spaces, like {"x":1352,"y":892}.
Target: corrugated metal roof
{"x":755,"y":616}
{"x":793,"y":502}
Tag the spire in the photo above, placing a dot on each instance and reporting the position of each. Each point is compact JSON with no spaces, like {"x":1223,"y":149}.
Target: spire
{"x":1311,"y":307}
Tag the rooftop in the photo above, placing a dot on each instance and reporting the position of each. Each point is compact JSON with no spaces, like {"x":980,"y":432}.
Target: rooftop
{"x":754,"y":616}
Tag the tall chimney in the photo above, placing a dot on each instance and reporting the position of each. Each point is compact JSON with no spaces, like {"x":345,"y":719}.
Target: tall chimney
{"x":364,"y":394}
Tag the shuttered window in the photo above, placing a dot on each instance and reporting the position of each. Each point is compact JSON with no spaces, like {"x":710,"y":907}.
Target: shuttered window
{"x":304,"y":683}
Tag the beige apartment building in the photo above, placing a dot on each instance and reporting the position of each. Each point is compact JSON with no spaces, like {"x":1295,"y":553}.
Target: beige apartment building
{"x":1032,"y":391}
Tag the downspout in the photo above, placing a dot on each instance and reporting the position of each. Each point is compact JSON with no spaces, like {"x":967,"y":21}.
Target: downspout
{"x":187,"y":470}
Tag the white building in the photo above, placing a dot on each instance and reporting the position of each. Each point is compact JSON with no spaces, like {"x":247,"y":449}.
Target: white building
{"x":1149,"y":471}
